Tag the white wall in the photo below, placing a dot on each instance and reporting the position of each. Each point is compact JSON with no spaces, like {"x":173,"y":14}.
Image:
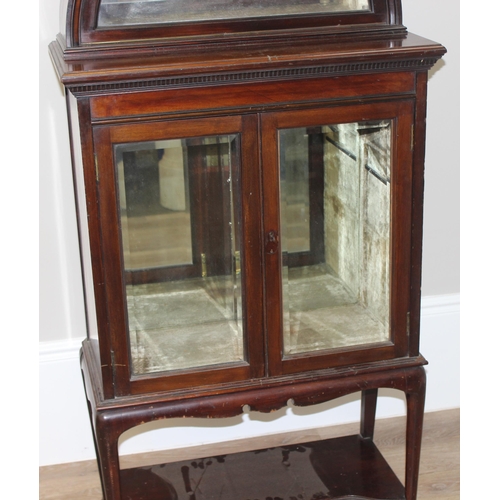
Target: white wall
{"x":64,"y":431}
{"x":439,"y":21}
{"x":61,"y":296}
{"x":480,"y":272}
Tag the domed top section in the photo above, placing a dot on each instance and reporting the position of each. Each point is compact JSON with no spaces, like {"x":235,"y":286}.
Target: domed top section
{"x":95,"y":26}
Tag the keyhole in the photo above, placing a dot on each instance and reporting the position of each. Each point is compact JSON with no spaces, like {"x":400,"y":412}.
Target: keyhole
{"x":272,"y":242}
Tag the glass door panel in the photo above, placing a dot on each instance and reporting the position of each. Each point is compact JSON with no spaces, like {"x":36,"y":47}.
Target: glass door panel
{"x":180,"y":218}
{"x":335,"y":197}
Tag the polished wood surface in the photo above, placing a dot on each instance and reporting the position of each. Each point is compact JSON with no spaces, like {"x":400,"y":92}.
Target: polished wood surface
{"x":345,"y":467}
{"x":239,"y":64}
{"x":439,"y":470}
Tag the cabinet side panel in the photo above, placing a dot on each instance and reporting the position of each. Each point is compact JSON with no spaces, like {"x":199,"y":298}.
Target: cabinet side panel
{"x":84,"y":178}
{"x":83,"y":229}
{"x":417,"y":210}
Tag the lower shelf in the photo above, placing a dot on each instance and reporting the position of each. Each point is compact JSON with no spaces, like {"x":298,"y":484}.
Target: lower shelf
{"x":347,"y":467}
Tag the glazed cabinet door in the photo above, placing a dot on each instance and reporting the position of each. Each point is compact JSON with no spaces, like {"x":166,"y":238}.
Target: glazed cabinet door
{"x":179,"y":217}
{"x":337,"y":230}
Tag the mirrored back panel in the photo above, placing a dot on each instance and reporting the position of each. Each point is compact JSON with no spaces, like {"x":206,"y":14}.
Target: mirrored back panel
{"x":335,"y":195}
{"x":179,"y":203}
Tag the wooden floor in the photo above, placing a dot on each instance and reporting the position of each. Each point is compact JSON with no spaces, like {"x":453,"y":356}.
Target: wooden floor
{"x":439,"y":468}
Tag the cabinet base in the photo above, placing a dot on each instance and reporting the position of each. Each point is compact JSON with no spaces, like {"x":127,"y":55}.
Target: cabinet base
{"x":347,"y":467}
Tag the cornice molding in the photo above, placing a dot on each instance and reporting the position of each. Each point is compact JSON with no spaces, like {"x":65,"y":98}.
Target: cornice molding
{"x":255,"y":76}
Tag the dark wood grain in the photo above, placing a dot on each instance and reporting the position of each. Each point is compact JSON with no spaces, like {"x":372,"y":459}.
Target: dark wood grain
{"x":256,"y":96}
{"x":368,"y":409}
{"x":417,"y":210}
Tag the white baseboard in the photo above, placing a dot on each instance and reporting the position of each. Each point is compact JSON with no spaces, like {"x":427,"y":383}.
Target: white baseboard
{"x":65,"y":434}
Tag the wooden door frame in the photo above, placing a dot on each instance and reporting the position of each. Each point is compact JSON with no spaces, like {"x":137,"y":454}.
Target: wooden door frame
{"x":126,"y":383}
{"x":401,"y":111}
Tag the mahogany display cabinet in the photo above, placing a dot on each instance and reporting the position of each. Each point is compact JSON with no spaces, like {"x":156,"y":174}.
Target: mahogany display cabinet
{"x":249,"y":187}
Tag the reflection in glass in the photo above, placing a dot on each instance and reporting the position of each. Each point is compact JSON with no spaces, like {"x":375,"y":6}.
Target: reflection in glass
{"x":180,"y":225}
{"x":154,"y":202}
{"x":336,"y":287}
{"x":294,"y":148}
{"x":132,"y":12}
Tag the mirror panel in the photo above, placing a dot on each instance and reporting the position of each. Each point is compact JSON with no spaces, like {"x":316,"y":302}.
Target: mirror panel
{"x":154,"y":204}
{"x":147,"y":12}
{"x":337,"y":293}
{"x":180,"y":218}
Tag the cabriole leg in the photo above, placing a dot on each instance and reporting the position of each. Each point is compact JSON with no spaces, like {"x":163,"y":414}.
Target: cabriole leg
{"x":109,"y":462}
{"x":415,"y":401}
{"x":368,"y":409}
